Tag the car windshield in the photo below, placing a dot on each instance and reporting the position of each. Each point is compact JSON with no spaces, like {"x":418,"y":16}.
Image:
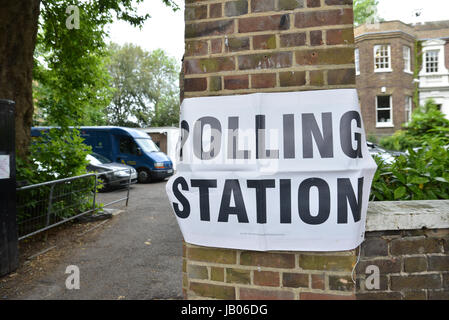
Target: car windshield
{"x":147,"y":145}
{"x":97,"y":159}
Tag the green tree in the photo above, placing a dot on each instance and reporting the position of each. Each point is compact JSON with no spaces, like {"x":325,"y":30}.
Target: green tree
{"x":19,"y":25}
{"x":366,"y":11}
{"x":71,"y":91}
{"x":145,"y":87}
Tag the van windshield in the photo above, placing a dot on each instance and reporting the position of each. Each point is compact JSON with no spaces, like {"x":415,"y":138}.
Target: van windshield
{"x":147,"y":145}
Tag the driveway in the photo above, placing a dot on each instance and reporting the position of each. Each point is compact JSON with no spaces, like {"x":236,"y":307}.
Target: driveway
{"x":135,"y":255}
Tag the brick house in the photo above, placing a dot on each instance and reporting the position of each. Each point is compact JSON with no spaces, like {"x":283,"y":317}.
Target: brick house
{"x":385,"y":64}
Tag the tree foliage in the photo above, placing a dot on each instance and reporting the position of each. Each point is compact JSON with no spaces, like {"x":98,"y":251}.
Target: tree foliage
{"x":365,"y":11}
{"x":70,"y":71}
{"x":145,"y":87}
{"x":57,"y":154}
{"x":70,"y":75}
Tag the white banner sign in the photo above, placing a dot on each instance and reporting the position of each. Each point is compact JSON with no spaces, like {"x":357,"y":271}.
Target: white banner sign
{"x":273,"y":171}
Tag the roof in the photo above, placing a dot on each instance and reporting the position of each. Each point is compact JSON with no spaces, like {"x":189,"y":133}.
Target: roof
{"x":420,"y":31}
{"x":384,"y":27}
{"x":432,"y":30}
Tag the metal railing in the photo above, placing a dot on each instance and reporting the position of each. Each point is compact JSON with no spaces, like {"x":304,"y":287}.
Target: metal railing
{"x":46,"y":205}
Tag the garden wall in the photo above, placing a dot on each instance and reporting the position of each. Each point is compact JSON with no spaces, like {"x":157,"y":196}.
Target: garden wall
{"x":407,"y":241}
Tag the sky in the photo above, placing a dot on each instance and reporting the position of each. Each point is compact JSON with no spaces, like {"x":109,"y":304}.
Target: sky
{"x":404,"y":10}
{"x":165,"y":28}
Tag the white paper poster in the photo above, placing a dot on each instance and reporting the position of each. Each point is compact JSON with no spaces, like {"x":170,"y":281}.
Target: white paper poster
{"x":4,"y":167}
{"x":273,"y":171}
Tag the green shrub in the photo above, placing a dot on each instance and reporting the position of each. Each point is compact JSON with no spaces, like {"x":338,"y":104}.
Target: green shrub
{"x":400,"y":140}
{"x":420,"y":175}
{"x":57,"y":154}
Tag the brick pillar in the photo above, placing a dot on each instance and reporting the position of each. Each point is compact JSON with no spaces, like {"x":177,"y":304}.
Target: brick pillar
{"x":247,"y":46}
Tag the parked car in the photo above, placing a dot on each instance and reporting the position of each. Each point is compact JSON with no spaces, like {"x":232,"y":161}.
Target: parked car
{"x":387,"y":156}
{"x":446,"y":147}
{"x":115,"y":174}
{"x":128,"y":146}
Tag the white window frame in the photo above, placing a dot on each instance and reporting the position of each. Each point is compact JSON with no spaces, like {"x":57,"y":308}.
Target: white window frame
{"x":435,"y":61}
{"x":357,"y":61}
{"x":386,"y":65}
{"x":407,"y":56}
{"x":390,"y":108}
{"x":408,"y":108}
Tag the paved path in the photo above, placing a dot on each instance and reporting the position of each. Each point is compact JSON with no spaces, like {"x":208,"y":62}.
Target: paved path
{"x":137,"y":255}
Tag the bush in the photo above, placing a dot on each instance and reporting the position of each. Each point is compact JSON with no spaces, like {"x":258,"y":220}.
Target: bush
{"x":57,"y":154}
{"x":400,"y":141}
{"x":420,"y":175}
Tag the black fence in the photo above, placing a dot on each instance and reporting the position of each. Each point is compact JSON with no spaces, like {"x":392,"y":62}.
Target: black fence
{"x":46,"y":205}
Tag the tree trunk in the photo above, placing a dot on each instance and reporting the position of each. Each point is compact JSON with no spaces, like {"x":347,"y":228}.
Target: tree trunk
{"x":18,"y":31}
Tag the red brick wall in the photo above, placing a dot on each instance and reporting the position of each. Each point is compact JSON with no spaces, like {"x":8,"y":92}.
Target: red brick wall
{"x":246,"y":46}
{"x":251,"y":275}
{"x":412,"y":264}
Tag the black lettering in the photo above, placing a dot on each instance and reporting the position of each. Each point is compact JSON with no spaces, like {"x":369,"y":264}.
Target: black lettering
{"x":204,"y":186}
{"x":345,"y":134}
{"x":232,"y":187}
{"x":215,"y":139}
{"x":289,"y":136}
{"x":323,"y":141}
{"x":184,"y":136}
{"x":285,"y":200}
{"x":185,"y":212}
{"x":324,"y":199}
{"x":345,"y":194}
{"x":261,"y":151}
{"x":233,"y":138}
{"x":261,"y":197}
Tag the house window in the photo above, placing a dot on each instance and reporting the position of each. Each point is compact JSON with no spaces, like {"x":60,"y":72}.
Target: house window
{"x":408,"y":109}
{"x":384,"y":114}
{"x":407,"y":61}
{"x":382,"y":55}
{"x":431,"y":61}
{"x":357,"y":61}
